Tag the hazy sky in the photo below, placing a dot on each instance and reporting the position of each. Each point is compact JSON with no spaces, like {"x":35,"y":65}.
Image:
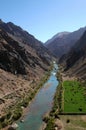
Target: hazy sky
{"x":44,"y":18}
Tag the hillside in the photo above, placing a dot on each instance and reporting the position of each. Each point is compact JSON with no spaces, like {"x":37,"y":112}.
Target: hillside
{"x":23,"y":63}
{"x":24,"y":38}
{"x":61,"y":43}
{"x":74,"y":63}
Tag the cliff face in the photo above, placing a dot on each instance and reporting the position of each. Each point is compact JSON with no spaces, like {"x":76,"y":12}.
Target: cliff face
{"x":10,"y":59}
{"x":23,"y":62}
{"x":74,"y":63}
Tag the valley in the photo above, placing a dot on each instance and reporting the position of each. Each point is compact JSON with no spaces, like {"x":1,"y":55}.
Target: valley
{"x":25,"y":64}
{"x":70,"y":98}
{"x":41,"y":104}
{"x":48,"y":80}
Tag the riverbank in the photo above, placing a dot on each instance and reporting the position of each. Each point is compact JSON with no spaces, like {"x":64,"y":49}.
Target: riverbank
{"x":20,"y":109}
{"x":41,"y":104}
{"x":52,"y":119}
{"x":70,"y":121}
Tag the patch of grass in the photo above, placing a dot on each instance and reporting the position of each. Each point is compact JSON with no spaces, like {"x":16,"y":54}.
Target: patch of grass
{"x":69,"y":98}
{"x":17,"y":113}
{"x":50,"y":124}
{"x":74,"y":99}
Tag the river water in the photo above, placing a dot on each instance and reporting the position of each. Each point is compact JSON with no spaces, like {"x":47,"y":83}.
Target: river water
{"x":41,"y":104}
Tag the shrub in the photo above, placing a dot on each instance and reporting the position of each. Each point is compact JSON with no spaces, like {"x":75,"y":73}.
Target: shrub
{"x":68,"y":121}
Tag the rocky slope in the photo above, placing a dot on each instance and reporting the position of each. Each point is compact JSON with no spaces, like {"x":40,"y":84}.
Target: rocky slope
{"x":61,"y":43}
{"x":23,"y":62}
{"x":74,"y":63}
{"x":24,"y":38}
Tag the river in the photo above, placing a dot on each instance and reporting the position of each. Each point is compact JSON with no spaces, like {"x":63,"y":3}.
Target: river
{"x":41,"y":104}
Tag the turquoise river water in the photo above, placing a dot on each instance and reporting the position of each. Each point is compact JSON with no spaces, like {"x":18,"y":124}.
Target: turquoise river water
{"x":41,"y":104}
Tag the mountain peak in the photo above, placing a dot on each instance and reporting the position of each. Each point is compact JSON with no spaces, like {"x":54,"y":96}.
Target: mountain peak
{"x":10,"y":23}
{"x":1,"y":21}
{"x":61,"y":43}
{"x":58,"y":35}
{"x":61,"y":34}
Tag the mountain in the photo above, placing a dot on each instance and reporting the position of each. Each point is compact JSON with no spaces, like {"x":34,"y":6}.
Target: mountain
{"x":58,"y":35}
{"x":24,"y":38}
{"x":30,"y":50}
{"x":23,"y":63}
{"x":74,"y":63}
{"x":62,"y":42}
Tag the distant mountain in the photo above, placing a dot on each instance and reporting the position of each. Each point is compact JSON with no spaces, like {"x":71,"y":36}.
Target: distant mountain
{"x":58,"y":35}
{"x":74,"y":63}
{"x":62,"y":42}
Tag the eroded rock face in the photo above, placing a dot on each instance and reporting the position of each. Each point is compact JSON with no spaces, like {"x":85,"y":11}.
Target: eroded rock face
{"x":10,"y":60}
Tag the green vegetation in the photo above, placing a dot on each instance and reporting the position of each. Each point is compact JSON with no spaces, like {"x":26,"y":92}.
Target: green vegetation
{"x":70,"y":97}
{"x":11,"y":116}
{"x":74,"y":100}
{"x":50,"y":124}
{"x":15,"y":111}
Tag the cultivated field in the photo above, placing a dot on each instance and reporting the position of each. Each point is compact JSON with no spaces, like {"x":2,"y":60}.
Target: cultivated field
{"x":73,"y":97}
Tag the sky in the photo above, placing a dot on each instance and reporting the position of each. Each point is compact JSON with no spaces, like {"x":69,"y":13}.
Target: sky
{"x":44,"y":18}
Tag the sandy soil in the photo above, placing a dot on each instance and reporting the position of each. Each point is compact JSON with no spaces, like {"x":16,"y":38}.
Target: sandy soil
{"x":76,"y":122}
{"x":66,"y":77}
{"x":12,"y":88}
{"x":59,"y":125}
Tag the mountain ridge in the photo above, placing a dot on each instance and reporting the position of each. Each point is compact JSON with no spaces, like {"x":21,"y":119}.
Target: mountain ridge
{"x":60,"y":46}
{"x":58,"y":35}
{"x":74,"y":62}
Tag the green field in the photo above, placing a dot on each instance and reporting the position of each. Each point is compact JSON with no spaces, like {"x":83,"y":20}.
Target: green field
{"x":73,"y":97}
